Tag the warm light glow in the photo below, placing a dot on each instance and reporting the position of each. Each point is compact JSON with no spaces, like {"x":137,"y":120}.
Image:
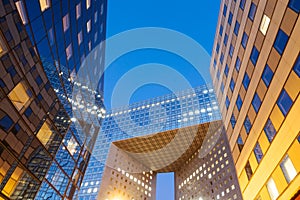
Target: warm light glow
{"x":264,"y":24}
{"x":19,"y":96}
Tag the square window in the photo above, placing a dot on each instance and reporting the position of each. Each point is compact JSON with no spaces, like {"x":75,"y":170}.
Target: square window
{"x":21,"y":10}
{"x":247,"y":124}
{"x":66,"y":22}
{"x":258,"y":152}
{"x":231,"y":50}
{"x":28,"y":112}
{"x":232,"y":84}
{"x":236,"y":28}
{"x":284,"y":102}
{"x":239,"y":102}
{"x":88,"y":26}
{"x":238,"y":64}
{"x":270,"y":130}
{"x":267,"y":75}
{"x":281,"y":41}
{"x":256,"y":102}
{"x":295,"y":5}
{"x":242,"y":4}
{"x":254,"y":55}
{"x":264,"y":25}
{"x":45,"y":4}
{"x":288,"y":169}
{"x":252,"y":11}
{"x":297,"y":66}
{"x":45,"y":134}
{"x":246,"y":81}
{"x":226,"y":70}
{"x":225,"y":10}
{"x":6,"y":123}
{"x":244,"y":40}
{"x":19,"y":96}
{"x":230,"y":18}
{"x":38,"y":80}
{"x":232,"y":121}
{"x":78,"y":10}
{"x":272,"y":189}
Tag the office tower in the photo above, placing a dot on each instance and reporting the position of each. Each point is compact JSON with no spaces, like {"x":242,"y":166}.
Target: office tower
{"x":163,"y":134}
{"x":42,"y":46}
{"x":255,"y":69}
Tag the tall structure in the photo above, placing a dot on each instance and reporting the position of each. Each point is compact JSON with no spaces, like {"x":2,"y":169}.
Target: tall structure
{"x":179,"y":133}
{"x":43,"y":44}
{"x":256,"y":74}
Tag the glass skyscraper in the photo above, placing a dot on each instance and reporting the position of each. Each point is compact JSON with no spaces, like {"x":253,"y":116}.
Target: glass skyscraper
{"x":43,"y":43}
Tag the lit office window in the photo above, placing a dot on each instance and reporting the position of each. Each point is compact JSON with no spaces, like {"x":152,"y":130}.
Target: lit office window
{"x":297,"y":66}
{"x":258,"y":152}
{"x":284,"y":102}
{"x":256,"y":102}
{"x":78,"y":10}
{"x":79,"y":37}
{"x":264,"y":25}
{"x":69,"y":51}
{"x":252,"y":11}
{"x":88,"y":26}
{"x":295,"y":5}
{"x":281,"y":41}
{"x":272,"y":189}
{"x":45,"y":134}
{"x":66,"y":22}
{"x":88,"y":4}
{"x":44,"y":4}
{"x":21,"y":10}
{"x":267,"y":75}
{"x":288,"y":169}
{"x":270,"y":130}
{"x":19,"y":96}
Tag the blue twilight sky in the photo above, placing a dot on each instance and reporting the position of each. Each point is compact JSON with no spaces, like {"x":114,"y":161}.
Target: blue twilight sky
{"x":195,"y":18}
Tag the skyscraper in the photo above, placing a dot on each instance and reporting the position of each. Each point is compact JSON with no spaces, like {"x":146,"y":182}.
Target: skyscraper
{"x":255,"y":69}
{"x":179,"y":133}
{"x":43,"y":44}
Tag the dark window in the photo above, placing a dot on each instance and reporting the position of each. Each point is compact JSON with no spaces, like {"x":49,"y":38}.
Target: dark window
{"x":270,"y":130}
{"x":242,"y":4}
{"x":239,"y":102}
{"x":267,"y":75}
{"x":221,"y":30}
{"x":280,"y":41}
{"x":230,"y":18}
{"x":232,"y":84}
{"x":284,"y":102}
{"x":258,"y":152}
{"x":39,"y":97}
{"x":226,"y":70}
{"x":232,"y":121}
{"x":238,"y":64}
{"x":15,"y":129}
{"x":222,"y":58}
{"x":256,"y":102}
{"x":2,"y":84}
{"x":240,"y":143}
{"x":11,"y":70}
{"x":236,"y":28}
{"x":225,"y":10}
{"x":222,"y":87}
{"x":252,"y":11}
{"x":247,"y":124}
{"x":295,"y":5}
{"x":215,"y":63}
{"x":227,"y":102}
{"x":225,"y":39}
{"x":298,"y":138}
{"x":246,"y":81}
{"x":254,"y":55}
{"x":6,"y":122}
{"x":231,"y":49}
{"x":38,"y":80}
{"x":248,"y":170}
{"x":218,"y":74}
{"x":217,"y":48}
{"x":244,"y":40}
{"x":297,"y":66}
{"x":28,"y":112}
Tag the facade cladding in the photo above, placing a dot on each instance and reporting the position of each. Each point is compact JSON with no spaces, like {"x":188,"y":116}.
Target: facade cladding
{"x":42,"y":45}
{"x":256,"y":74}
{"x":132,"y":148}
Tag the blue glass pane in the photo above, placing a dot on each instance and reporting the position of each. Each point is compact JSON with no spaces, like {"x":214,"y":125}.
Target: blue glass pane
{"x":254,"y":55}
{"x":298,"y":138}
{"x":226,"y":70}
{"x":280,"y":42}
{"x":225,"y":39}
{"x":221,"y":30}
{"x":222,"y":87}
{"x":230,"y":18}
{"x":232,"y":84}
{"x":227,"y":102}
{"x":2,"y":84}
{"x":256,"y":102}
{"x":240,"y":140}
{"x":28,"y":112}
{"x":246,"y":81}
{"x":231,"y":49}
{"x":244,"y":40}
{"x":284,"y":102}
{"x":232,"y":121}
{"x":295,"y":5}
{"x":238,"y":64}
{"x":218,"y":48}
{"x":270,"y":130}
{"x":267,"y":75}
{"x":38,"y":80}
{"x":297,"y":66}
{"x":6,"y":122}
{"x":239,"y":102}
{"x":236,"y":28}
{"x":225,"y":10}
{"x":222,"y":58}
{"x":247,"y":125}
{"x":252,"y":11}
{"x":242,"y":4}
{"x":258,"y":152}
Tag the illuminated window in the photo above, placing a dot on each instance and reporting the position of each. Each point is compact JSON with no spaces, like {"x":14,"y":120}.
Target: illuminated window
{"x":88,"y":26}
{"x":66,"y":22}
{"x":272,"y":189}
{"x":288,"y":169}
{"x":78,"y":10}
{"x":2,"y":46}
{"x":44,"y":4}
{"x":88,"y":4}
{"x":45,"y":134}
{"x":79,"y":37}
{"x":19,"y":96}
{"x":69,"y":51}
{"x":264,"y":24}
{"x":72,"y":145}
{"x":21,"y":10}
{"x":12,"y":182}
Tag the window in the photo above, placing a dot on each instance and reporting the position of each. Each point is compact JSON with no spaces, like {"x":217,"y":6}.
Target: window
{"x":232,"y":84}
{"x":88,"y":4}
{"x":2,"y":46}
{"x":288,"y":169}
{"x":45,"y":134}
{"x":69,"y":51}
{"x":298,"y":138}
{"x":226,"y":70}
{"x":28,"y":112}
{"x":231,"y":50}
{"x":297,"y":66}
{"x":79,"y":37}
{"x":232,"y":121}
{"x":225,"y":10}
{"x":256,"y":102}
{"x":78,"y":10}
{"x":238,"y":64}
{"x":280,"y":41}
{"x":222,"y":87}
{"x":88,"y":26}
{"x":246,"y":81}
{"x":248,"y":170}
{"x":236,"y":28}
{"x":66,"y":22}
{"x":225,"y":39}
{"x":264,"y":25}
{"x":258,"y":152}
{"x":239,"y":102}
{"x":270,"y":130}
{"x":284,"y":102}
{"x":95,"y":16}
{"x":21,"y":10}
{"x":222,"y":58}
{"x":244,"y":40}
{"x":254,"y":55}
{"x":227,"y":102}
{"x":230,"y":18}
{"x":217,"y":48}
{"x":252,"y":11}
{"x":295,"y":5}
{"x":242,"y":4}
{"x":19,"y":96}
{"x":38,"y":80}
{"x":247,"y":124}
{"x":240,"y":143}
{"x":272,"y":189}
{"x":221,"y":30}
{"x":267,"y":75}
{"x":44,"y":4}
{"x":5,"y":123}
